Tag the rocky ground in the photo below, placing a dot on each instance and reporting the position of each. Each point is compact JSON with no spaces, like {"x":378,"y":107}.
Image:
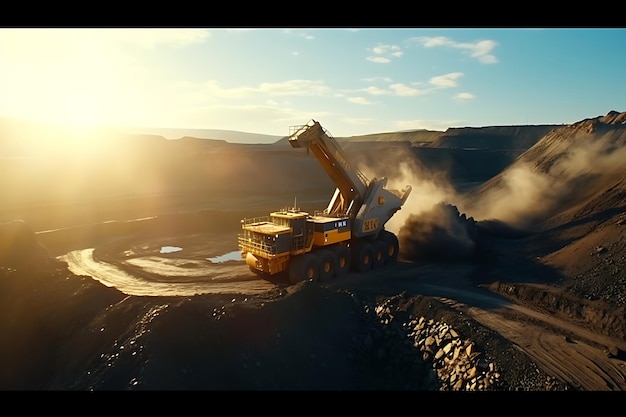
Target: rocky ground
{"x":271,"y":343}
{"x":303,"y":337}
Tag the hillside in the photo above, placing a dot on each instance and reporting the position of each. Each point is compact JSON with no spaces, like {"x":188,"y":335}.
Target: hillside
{"x":492,"y":137}
{"x":420,"y":137}
{"x":566,"y":166}
{"x":569,"y":192}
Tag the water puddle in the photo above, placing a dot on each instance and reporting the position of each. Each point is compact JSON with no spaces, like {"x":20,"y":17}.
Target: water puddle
{"x":170,"y":249}
{"x":230,"y":256}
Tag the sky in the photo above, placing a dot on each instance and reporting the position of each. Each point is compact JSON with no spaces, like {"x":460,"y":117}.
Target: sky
{"x":354,"y":81}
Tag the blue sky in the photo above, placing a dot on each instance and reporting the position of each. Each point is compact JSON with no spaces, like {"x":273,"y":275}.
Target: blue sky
{"x":354,"y":81}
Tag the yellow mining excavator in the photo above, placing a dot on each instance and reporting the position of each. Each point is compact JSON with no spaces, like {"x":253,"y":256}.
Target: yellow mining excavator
{"x":349,"y":235}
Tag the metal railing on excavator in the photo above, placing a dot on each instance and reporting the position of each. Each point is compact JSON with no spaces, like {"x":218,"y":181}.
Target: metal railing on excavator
{"x":255,"y":247}
{"x":256,"y":222}
{"x":268,"y":250}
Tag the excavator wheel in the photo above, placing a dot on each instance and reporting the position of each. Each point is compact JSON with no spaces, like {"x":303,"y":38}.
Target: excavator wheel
{"x":362,"y":256}
{"x":380,"y":254}
{"x":304,"y":267}
{"x":392,"y":246}
{"x":328,"y":264}
{"x":342,"y":255}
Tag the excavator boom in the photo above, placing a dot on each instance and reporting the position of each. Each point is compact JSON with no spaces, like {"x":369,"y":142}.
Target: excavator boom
{"x":368,"y":202}
{"x":351,"y":183}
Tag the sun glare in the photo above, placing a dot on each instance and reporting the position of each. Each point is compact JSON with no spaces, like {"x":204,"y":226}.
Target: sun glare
{"x":76,"y":78}
{"x":77,"y":111}
{"x":77,"y":141}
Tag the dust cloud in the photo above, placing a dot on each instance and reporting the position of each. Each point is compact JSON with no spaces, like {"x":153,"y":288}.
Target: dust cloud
{"x":429,"y":189}
{"x":533,"y":190}
{"x":402,"y":168}
{"x":428,"y":226}
{"x":562,"y":170}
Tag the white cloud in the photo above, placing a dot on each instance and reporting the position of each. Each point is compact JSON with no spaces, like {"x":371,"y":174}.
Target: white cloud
{"x":383,"y":53}
{"x":481,"y":50}
{"x":359,"y":100}
{"x":386,"y":49}
{"x":212,"y":89}
{"x":404,"y":90}
{"x":293,"y":87}
{"x":376,"y":79}
{"x":464,"y":96}
{"x":378,"y":59}
{"x":431,"y":42}
{"x":397,"y":89}
{"x":376,"y":91}
{"x":446,"y":80}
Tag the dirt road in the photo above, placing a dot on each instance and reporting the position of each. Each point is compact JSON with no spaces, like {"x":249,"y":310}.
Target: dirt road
{"x":580,"y":359}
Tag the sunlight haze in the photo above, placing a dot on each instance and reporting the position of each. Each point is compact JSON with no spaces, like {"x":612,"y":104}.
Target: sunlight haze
{"x":355,"y":81}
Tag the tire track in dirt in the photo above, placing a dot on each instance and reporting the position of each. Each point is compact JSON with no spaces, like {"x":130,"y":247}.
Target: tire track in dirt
{"x":579,"y":360}
{"x":213,"y":279}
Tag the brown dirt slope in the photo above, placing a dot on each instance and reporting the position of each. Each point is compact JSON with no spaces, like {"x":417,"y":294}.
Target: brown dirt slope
{"x":574,"y":206}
